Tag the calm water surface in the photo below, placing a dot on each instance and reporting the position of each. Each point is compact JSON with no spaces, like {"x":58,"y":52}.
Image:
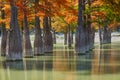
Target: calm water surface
{"x":103,"y":63}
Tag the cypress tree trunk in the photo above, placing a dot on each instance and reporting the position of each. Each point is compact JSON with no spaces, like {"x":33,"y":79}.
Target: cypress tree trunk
{"x":91,"y":32}
{"x":109,"y":36}
{"x":92,"y":38}
{"x":14,"y":44}
{"x":80,"y":35}
{"x":72,"y":41}
{"x":85,"y":26}
{"x":69,"y":37}
{"x":47,"y":36}
{"x":100,"y":35}
{"x":4,"y":35}
{"x":38,"y":42}
{"x":106,"y":35}
{"x":27,"y":48}
{"x":65,"y":38}
{"x":54,"y":37}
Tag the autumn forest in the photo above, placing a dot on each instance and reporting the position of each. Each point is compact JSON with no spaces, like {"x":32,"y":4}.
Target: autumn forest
{"x":59,"y":39}
{"x":46,"y":18}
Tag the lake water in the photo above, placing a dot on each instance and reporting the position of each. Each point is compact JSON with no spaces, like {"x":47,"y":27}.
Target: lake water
{"x":103,"y":63}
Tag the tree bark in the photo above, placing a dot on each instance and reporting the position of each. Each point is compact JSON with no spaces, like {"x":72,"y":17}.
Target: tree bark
{"x":106,"y":35}
{"x":54,"y":37}
{"x":14,"y":44}
{"x":91,"y":32}
{"x":85,"y":26}
{"x":100,"y":35}
{"x":4,"y":35}
{"x":38,"y":42}
{"x":72,"y":39}
{"x":92,"y":39}
{"x":47,"y":36}
{"x":27,"y":47}
{"x":109,"y":35}
{"x":69,"y":37}
{"x":80,"y":35}
{"x":65,"y":38}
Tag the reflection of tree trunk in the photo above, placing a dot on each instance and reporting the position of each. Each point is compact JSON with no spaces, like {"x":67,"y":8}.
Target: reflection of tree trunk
{"x":14,"y":44}
{"x":65,"y":38}
{"x":4,"y":35}
{"x":47,"y":36}
{"x":54,"y":37}
{"x":27,"y":48}
{"x":80,"y":35}
{"x":69,"y":37}
{"x":106,"y":35}
{"x":38,"y":42}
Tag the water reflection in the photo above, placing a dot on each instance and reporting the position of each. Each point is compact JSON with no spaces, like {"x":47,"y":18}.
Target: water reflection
{"x":102,"y":63}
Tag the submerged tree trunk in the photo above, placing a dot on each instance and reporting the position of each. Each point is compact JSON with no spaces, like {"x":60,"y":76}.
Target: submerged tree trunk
{"x":14,"y":44}
{"x":47,"y":36}
{"x":80,"y":35}
{"x":38,"y":42}
{"x":69,"y":37}
{"x":65,"y":38}
{"x":106,"y":35}
{"x":4,"y":35}
{"x":27,"y":48}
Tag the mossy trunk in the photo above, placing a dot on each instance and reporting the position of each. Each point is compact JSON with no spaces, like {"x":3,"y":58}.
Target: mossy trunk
{"x":38,"y":42}
{"x":47,"y":36}
{"x":4,"y":35}
{"x":80,"y":35}
{"x":27,"y":47}
{"x":14,"y":43}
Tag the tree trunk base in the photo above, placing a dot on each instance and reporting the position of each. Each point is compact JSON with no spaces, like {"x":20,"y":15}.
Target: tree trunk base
{"x":38,"y":51}
{"x":14,"y":57}
{"x":38,"y":54}
{"x":48,"y":49}
{"x":81,"y":50}
{"x":80,"y":53}
{"x":28,"y":54}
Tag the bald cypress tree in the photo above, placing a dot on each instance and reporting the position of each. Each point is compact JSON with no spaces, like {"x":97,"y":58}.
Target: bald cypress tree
{"x":14,"y":44}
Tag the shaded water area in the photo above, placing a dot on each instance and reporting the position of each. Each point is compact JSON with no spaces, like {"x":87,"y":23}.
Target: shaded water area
{"x":103,"y":63}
